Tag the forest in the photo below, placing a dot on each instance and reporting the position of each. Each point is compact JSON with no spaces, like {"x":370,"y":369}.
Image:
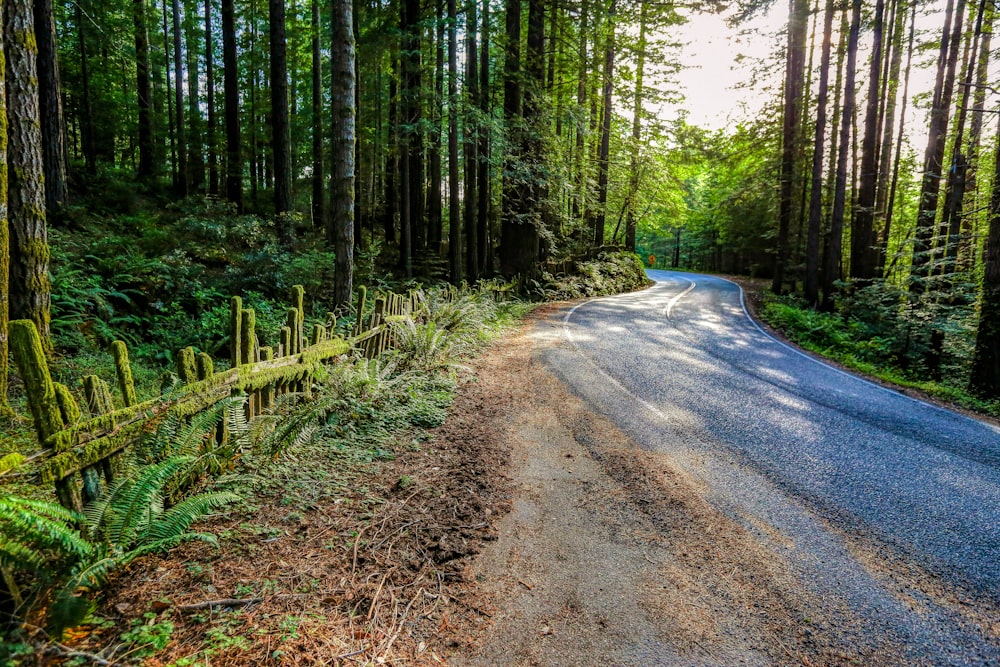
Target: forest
{"x":157,"y":159}
{"x":462,"y":141}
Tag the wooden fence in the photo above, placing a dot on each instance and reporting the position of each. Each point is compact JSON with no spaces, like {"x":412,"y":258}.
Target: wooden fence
{"x":76,"y":451}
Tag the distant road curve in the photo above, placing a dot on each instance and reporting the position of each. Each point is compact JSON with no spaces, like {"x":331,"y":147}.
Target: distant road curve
{"x":886,"y":506}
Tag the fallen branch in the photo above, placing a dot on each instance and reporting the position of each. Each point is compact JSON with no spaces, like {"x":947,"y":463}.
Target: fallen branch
{"x":236,"y":602}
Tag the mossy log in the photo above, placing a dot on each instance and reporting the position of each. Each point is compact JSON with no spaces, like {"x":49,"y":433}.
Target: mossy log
{"x":29,"y":357}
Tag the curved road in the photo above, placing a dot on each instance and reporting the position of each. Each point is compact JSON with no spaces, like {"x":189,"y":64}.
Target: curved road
{"x":836,"y":466}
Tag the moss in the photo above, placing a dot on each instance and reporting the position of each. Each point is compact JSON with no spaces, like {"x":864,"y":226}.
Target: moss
{"x":292,"y":322}
{"x":206,"y":367}
{"x":235,"y":331}
{"x":318,"y":334}
{"x":98,"y":396}
{"x":248,"y":336}
{"x":187,"y":368}
{"x":285,"y":342}
{"x":10,"y":461}
{"x":124,"y":370}
{"x":29,"y":356}
{"x":68,"y":407}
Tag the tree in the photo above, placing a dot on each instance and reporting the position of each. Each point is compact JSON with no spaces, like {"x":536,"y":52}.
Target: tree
{"x":318,"y":177}
{"x":342,"y":162}
{"x":183,"y":176}
{"x":29,"y":285}
{"x":985,"y":379}
{"x":231,"y":93}
{"x":50,"y":102}
{"x":281,"y":139}
{"x":798,"y":14}
{"x":454,"y":209}
{"x":4,"y":232}
{"x":470,"y":146}
{"x":144,"y":90}
{"x":811,"y":286}
{"x":210,"y":137}
{"x":604,"y":152}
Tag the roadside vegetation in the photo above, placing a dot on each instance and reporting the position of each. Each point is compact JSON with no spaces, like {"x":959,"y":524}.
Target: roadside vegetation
{"x":156,"y":279}
{"x":876,"y":331}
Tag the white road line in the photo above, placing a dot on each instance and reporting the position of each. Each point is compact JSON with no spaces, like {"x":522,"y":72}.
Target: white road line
{"x":673,"y":302}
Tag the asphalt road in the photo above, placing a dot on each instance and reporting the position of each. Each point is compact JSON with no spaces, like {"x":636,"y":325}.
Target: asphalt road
{"x":888,"y":508}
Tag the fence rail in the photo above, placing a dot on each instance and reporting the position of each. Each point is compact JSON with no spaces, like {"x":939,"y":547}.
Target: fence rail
{"x":77,"y":452}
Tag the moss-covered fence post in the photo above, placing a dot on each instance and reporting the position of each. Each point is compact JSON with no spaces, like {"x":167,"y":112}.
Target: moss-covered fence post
{"x":187,"y":367}
{"x":124,"y":371}
{"x":248,"y":352}
{"x":43,"y":397}
{"x":267,"y":393}
{"x":99,"y":402}
{"x":235,"y":331}
{"x":359,"y":316}
{"x":298,"y":302}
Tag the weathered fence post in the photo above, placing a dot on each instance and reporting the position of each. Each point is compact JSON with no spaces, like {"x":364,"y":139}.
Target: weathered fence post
{"x":248,"y":353}
{"x":360,"y":312}
{"x":99,"y":402}
{"x":187,"y":367}
{"x":43,"y":399}
{"x":124,"y":371}
{"x":235,"y":331}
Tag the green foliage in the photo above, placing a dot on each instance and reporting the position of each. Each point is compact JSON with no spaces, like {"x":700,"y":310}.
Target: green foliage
{"x":148,"y":635}
{"x":610,"y":273}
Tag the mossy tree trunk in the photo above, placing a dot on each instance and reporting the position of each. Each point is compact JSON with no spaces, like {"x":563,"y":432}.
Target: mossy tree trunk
{"x":4,"y":238}
{"x":29,"y":248}
{"x":144,"y":90}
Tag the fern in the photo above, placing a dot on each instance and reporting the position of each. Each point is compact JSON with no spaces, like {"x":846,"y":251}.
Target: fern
{"x":29,"y":527}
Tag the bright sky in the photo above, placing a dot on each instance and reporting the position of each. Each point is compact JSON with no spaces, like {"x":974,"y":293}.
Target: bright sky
{"x":716,"y":83}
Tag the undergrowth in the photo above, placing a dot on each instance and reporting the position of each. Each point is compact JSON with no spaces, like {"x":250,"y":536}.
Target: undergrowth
{"x":878,"y":333}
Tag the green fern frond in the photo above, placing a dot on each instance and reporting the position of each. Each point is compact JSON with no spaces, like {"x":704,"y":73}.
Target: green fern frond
{"x":175,"y":521}
{"x":18,"y":556}
{"x":129,"y":506}
{"x":37,"y":524}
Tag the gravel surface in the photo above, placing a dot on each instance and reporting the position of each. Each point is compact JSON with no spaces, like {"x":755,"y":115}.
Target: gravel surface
{"x":886,"y":509}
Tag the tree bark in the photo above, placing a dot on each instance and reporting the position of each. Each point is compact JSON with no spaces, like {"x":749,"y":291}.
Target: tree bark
{"x":50,"y":101}
{"x":630,"y":220}
{"x":281,"y":140}
{"x":183,"y":177}
{"x":485,"y":247}
{"x":318,"y":176}
{"x":89,"y":147}
{"x":342,"y":114}
{"x":985,"y":379}
{"x":4,"y":234}
{"x":604,"y":153}
{"x":210,"y":137}
{"x":144,"y":91}
{"x":831,"y":271}
{"x":230,"y":89}
{"x":454,"y":210}
{"x":29,"y":287}
{"x":811,"y":286}
{"x":435,"y":225}
{"x":798,"y":14}
{"x":934,"y":154}
{"x":862,"y":233}
{"x":470,"y":145}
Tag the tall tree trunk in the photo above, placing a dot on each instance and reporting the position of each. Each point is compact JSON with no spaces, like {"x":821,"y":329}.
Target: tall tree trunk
{"x":891,"y":89}
{"x":454,"y":211}
{"x":798,"y":15}
{"x":811,"y":283}
{"x":342,"y":85}
{"x":231,"y":93}
{"x":196,"y":158}
{"x":281,"y":140}
{"x":30,"y":288}
{"x":171,"y":125}
{"x":318,"y":177}
{"x":144,"y":91}
{"x":4,"y":234}
{"x":210,"y":137}
{"x":630,"y":221}
{"x":485,"y":247}
{"x":930,"y":188}
{"x":831,"y":271}
{"x":580,"y":153}
{"x":604,"y":154}
{"x":183,"y":176}
{"x":894,"y":181}
{"x":965,"y":244}
{"x":434,"y":212}
{"x":470,"y":145}
{"x":985,"y":379}
{"x":862,"y":233}
{"x":960,"y":163}
{"x":50,"y":100}
{"x":89,"y":147}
